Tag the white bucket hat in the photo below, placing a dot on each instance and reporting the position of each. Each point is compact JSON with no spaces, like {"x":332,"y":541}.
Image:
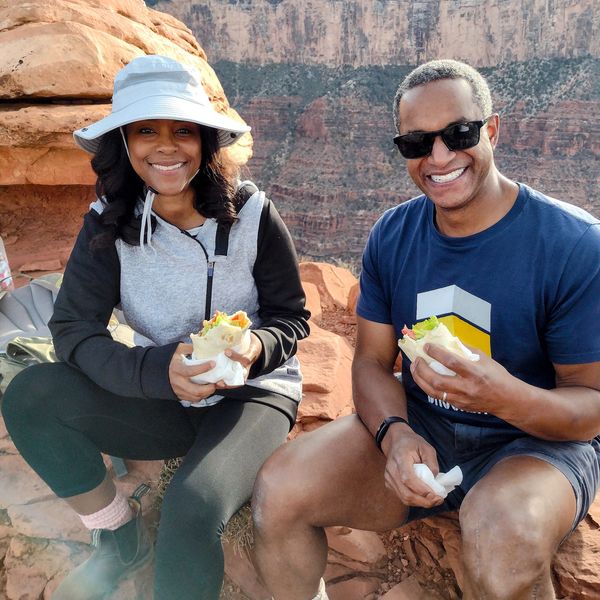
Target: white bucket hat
{"x":158,"y":87}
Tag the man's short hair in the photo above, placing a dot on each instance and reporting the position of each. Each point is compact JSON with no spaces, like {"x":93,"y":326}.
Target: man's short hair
{"x":436,"y":70}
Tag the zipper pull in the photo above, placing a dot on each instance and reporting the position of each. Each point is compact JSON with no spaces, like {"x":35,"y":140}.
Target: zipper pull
{"x":209,"y":285}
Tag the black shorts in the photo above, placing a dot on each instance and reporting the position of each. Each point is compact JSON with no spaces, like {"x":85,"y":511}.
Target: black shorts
{"x":477,"y":449}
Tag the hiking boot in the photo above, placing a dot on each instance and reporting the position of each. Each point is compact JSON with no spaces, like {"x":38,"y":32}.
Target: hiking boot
{"x":117,"y":554}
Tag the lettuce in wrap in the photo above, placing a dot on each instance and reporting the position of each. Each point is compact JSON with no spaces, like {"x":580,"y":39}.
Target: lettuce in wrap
{"x":221,"y":332}
{"x":432,"y":331}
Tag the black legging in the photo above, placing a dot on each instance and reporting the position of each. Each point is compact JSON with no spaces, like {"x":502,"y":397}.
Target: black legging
{"x":60,"y":421}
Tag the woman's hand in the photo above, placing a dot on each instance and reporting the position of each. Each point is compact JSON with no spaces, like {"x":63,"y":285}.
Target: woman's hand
{"x":180,"y":373}
{"x":246,"y":358}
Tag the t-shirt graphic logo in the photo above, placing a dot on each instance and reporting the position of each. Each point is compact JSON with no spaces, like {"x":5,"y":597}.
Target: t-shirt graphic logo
{"x":465,"y":315}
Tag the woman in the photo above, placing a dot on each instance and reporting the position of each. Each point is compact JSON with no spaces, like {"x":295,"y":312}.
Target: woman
{"x":169,"y":241}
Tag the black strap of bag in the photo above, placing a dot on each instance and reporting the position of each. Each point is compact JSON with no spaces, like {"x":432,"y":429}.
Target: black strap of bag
{"x":222,"y":236}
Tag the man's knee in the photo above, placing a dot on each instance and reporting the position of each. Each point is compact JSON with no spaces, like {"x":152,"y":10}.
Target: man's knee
{"x":505,"y":547}
{"x":279,"y":491}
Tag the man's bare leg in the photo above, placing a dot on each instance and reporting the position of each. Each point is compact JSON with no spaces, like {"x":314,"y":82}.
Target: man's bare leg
{"x":512,"y":522}
{"x":332,"y":476}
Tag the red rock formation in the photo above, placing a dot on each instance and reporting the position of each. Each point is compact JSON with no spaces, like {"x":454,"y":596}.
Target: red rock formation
{"x":332,"y":283}
{"x":57,"y":65}
{"x":326,"y":359}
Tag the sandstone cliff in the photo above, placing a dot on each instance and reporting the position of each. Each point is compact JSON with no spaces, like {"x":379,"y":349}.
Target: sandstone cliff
{"x":315,"y":79}
{"x":364,"y":32}
{"x":57,"y":64}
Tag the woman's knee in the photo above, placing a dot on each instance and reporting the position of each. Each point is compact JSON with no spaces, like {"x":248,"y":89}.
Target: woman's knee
{"x":25,"y":398}
{"x":195,"y":509}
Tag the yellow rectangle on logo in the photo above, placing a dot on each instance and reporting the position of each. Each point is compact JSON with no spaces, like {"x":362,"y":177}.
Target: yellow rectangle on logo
{"x":467,"y":334}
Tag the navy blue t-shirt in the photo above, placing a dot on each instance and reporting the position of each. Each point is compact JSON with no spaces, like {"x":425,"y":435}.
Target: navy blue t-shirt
{"x":525,"y":291}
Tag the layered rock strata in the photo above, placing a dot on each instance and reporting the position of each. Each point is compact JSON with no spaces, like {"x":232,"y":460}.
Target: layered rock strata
{"x":363,"y":32}
{"x":324,"y":151}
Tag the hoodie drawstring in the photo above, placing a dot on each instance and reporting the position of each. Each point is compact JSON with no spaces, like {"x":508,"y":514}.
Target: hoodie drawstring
{"x":146,"y":224}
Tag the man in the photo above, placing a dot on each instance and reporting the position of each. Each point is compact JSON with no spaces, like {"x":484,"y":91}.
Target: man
{"x":517,"y":276}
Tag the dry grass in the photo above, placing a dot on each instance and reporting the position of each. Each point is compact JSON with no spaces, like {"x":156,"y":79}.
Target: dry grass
{"x":239,"y":529}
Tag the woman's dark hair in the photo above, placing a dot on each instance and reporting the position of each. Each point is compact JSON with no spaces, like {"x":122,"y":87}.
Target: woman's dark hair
{"x":120,"y":187}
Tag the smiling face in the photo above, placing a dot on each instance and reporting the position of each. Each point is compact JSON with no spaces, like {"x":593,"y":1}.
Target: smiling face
{"x":451,"y":179}
{"x":166,"y":155}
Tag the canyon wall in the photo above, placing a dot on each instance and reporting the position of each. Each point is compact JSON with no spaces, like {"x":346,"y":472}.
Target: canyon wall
{"x":380,"y":32}
{"x":316,"y":79}
{"x":323,"y":141}
{"x":321,"y":121}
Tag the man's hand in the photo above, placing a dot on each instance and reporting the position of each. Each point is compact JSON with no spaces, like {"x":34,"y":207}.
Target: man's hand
{"x":180,"y":373}
{"x":403,"y":449}
{"x":478,"y":386}
{"x":246,"y":358}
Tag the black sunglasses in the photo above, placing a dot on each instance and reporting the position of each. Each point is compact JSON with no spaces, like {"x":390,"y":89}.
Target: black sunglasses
{"x":458,"y":136}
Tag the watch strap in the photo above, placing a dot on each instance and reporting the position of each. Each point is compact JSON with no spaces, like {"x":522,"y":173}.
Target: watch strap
{"x":385,"y":424}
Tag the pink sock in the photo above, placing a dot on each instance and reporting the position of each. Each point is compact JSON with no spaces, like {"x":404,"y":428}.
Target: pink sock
{"x":116,"y":514}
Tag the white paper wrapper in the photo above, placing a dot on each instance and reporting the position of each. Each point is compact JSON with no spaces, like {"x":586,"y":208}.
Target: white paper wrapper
{"x":442,"y":370}
{"x":443,"y":483}
{"x":438,"y":367}
{"x":230,"y":371}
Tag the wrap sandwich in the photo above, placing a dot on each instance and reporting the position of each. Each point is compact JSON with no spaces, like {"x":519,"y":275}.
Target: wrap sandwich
{"x":218,"y":334}
{"x":432,"y":331}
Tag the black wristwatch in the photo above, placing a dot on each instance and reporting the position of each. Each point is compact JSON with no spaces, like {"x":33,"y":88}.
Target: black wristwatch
{"x":385,"y":424}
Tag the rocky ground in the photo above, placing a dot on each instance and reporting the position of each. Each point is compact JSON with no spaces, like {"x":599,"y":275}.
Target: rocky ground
{"x":39,"y":542}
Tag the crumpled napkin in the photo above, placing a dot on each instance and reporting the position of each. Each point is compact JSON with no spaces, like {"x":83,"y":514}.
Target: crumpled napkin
{"x":443,"y":483}
{"x":230,"y":371}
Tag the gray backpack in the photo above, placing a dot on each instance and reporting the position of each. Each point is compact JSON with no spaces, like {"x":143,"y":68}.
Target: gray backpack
{"x":24,"y":335}
{"x":26,"y":340}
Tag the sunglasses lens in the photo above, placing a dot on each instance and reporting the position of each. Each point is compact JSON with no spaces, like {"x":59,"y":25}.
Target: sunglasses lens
{"x":414,"y":145}
{"x":462,"y":135}
{"x":456,"y":137}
